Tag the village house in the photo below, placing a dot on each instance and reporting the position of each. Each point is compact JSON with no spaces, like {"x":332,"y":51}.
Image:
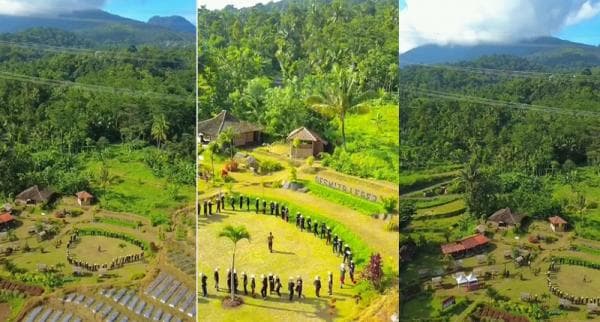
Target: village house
{"x":465,"y":246}
{"x":6,"y":221}
{"x":557,"y":224}
{"x":311,"y":144}
{"x":84,"y":198}
{"x":505,"y":218}
{"x":34,"y":195}
{"x":245,"y":133}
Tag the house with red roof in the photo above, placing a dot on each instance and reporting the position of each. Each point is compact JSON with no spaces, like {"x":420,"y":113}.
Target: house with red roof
{"x":6,"y":221}
{"x":472,"y":244}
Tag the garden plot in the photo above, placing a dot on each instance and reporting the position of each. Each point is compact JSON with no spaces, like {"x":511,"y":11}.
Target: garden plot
{"x":171,"y":292}
{"x":182,"y":261}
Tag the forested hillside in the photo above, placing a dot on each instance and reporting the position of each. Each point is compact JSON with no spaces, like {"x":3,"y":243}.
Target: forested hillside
{"x":265,"y":63}
{"x":58,"y":102}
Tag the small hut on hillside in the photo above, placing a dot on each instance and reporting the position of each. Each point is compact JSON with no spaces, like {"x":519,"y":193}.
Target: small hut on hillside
{"x":84,"y":198}
{"x":557,"y":224}
{"x":245,"y":133}
{"x":310,"y":143}
{"x":505,"y":218}
{"x":34,"y":195}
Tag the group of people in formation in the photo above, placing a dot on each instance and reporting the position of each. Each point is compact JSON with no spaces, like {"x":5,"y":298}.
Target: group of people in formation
{"x":270,"y":284}
{"x":116,"y":262}
{"x":320,"y":230}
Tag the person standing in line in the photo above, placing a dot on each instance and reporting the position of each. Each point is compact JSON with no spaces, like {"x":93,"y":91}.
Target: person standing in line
{"x":247,"y":203}
{"x":299,"y":287}
{"x":210,"y":207}
{"x":335,"y":243}
{"x":205,"y":204}
{"x":277,"y":285}
{"x":241,"y":202}
{"x":271,"y":283}
{"x":253,"y":284}
{"x":223,"y":201}
{"x":270,"y":242}
{"x":264,"y":204}
{"x":232,"y":203}
{"x":330,"y":282}
{"x":351,"y":268}
{"x":229,"y":281}
{"x":297,"y":219}
{"x":263,"y":288}
{"x":291,"y":288}
{"x":235,"y":282}
{"x":216,"y":275}
{"x":328,"y":235}
{"x":342,"y":275}
{"x":256,"y":206}
{"x":204,"y":278}
{"x":317,"y":284}
{"x":245,"y":281}
{"x":218,"y":206}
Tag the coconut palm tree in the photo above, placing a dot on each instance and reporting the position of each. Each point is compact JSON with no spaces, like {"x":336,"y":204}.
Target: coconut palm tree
{"x":235,"y":234}
{"x":213,"y":147}
{"x":226,"y":139}
{"x":341,"y":98}
{"x":159,"y":129}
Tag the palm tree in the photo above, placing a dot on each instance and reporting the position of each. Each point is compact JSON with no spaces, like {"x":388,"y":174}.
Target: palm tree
{"x":159,"y":129}
{"x":341,"y":98}
{"x":235,"y":234}
{"x":212,"y":149}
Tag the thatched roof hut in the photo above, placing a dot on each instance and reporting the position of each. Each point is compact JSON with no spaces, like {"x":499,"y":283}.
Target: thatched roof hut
{"x":505,"y":217}
{"x":244,"y":132}
{"x":34,"y":195}
{"x":310,"y":143}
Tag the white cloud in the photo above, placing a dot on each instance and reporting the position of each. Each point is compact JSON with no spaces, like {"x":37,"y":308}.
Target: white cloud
{"x":475,"y":21}
{"x":46,"y":7}
{"x":220,"y":4}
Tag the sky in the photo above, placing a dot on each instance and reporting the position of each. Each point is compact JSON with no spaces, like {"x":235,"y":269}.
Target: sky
{"x":220,"y":4}
{"x":475,"y":21}
{"x":135,"y":9}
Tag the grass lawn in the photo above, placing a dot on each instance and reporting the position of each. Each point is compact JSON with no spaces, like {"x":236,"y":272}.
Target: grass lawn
{"x":295,"y":253}
{"x":87,"y":249}
{"x":134,"y":188}
{"x":570,"y":280}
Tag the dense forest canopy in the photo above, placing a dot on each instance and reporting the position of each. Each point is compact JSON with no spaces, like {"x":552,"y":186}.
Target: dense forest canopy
{"x":58,"y":100}
{"x":287,"y":64}
{"x":533,"y":139}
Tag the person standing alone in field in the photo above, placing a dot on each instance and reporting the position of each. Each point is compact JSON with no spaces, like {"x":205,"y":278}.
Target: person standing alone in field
{"x":270,"y":242}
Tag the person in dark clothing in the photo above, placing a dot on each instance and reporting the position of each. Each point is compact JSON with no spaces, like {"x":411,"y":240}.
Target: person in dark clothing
{"x":217,"y":278}
{"x":277,"y":285}
{"x":205,"y":204}
{"x":271,"y":208}
{"x":299,"y":287}
{"x":229,"y":281}
{"x":316,"y":228}
{"x":330,"y":282}
{"x":204,"y":278}
{"x":297,"y":219}
{"x":210,"y":207}
{"x":323,"y":231}
{"x":218,"y":206}
{"x":276,"y":209}
{"x":241,"y":202}
{"x":287,"y":215}
{"x":245,"y":282}
{"x":328,"y":235}
{"x":291,"y":288}
{"x":253,"y":284}
{"x":223,"y":201}
{"x":270,"y":241}
{"x":264,"y":204}
{"x":256,"y":206}
{"x":232,"y":203}
{"x":301,"y":223}
{"x":351,"y":268}
{"x":335,"y":243}
{"x":247,"y":203}
{"x":340,"y":247}
{"x":235,"y":282}
{"x":263,"y":288}
{"x":308,"y":224}
{"x":271,"y":283}
{"x":317,"y":284}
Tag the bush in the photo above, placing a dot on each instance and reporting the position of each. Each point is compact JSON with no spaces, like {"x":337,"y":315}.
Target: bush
{"x":310,"y":160}
{"x":389,"y":204}
{"x":269,"y":166}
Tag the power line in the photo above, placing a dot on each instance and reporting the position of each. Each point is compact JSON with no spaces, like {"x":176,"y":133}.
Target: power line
{"x":92,"y":87}
{"x":499,"y":103}
{"x":79,"y":50}
{"x":507,"y":72}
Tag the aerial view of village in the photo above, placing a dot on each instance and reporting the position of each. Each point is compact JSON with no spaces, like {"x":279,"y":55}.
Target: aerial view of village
{"x":298,"y":161}
{"x":500,"y":161}
{"x":97,"y":162}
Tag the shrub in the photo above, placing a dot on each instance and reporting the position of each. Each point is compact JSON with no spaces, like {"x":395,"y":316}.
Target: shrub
{"x":310,"y":160}
{"x":269,"y":166}
{"x":389,"y":204}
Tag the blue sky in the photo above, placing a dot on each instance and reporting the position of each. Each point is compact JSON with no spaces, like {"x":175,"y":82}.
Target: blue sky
{"x":145,"y":9}
{"x":476,"y":21}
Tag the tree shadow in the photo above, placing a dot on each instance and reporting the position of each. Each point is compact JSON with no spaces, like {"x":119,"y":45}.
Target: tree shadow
{"x":283,"y":253}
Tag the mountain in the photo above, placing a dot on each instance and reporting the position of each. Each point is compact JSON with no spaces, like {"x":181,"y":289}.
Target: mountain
{"x":176,"y":23}
{"x":546,"y":51}
{"x":104,"y":28}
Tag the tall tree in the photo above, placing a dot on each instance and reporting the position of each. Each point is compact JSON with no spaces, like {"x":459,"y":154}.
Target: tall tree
{"x":235,"y":234}
{"x":160,"y":127}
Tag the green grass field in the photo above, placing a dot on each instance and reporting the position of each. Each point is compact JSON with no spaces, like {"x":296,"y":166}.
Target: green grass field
{"x":295,"y":253}
{"x":134,"y":188}
{"x":87,"y":249}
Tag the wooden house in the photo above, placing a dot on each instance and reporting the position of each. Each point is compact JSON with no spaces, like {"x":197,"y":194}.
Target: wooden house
{"x":245,"y":133}
{"x":311,"y":144}
{"x":84,"y":198}
{"x":557,"y":224}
